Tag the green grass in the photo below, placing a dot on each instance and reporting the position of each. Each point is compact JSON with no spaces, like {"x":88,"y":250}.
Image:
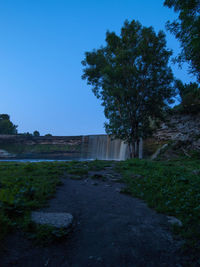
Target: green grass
{"x":25,"y":187}
{"x":82,"y":168}
{"x":43,"y":235}
{"x":98,"y":165}
{"x":171,"y":187}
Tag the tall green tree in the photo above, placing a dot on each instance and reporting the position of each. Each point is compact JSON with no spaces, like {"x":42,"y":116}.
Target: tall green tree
{"x":187,"y":30}
{"x":6,"y":126}
{"x":131,"y":76}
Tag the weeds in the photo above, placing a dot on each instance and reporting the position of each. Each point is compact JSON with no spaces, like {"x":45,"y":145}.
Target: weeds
{"x":24,"y":187}
{"x":171,"y":187}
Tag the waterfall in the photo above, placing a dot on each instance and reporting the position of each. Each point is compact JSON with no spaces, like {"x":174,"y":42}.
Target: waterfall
{"x":104,"y":148}
{"x":123,"y":151}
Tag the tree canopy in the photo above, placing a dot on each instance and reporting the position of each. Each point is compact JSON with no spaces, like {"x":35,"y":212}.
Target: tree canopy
{"x":131,"y":76}
{"x":187,"y":30}
{"x":6,"y":126}
{"x":190,"y":97}
{"x":36,"y":133}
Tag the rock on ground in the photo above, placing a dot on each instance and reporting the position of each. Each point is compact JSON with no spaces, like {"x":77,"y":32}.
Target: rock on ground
{"x":53,"y":218}
{"x":174,"y":220}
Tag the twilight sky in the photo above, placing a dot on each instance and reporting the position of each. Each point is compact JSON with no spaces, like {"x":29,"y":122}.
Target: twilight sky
{"x":42,"y":44}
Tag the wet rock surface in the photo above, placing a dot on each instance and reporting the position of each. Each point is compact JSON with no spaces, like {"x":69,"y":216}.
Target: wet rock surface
{"x":111,"y":229}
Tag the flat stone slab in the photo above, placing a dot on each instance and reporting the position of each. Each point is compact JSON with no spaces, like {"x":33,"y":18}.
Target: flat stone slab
{"x":58,"y":220}
{"x":174,"y":220}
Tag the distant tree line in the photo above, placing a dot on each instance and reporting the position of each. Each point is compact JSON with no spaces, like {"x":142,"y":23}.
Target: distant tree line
{"x":35,"y":133}
{"x":7,"y":127}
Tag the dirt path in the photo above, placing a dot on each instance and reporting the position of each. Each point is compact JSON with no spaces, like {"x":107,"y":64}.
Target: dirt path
{"x":111,"y":229}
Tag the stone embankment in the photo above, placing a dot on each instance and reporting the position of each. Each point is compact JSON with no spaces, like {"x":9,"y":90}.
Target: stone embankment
{"x":21,"y":146}
{"x":183,"y":129}
{"x":42,"y":140}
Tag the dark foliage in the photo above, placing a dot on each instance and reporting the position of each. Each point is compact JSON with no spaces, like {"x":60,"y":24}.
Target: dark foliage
{"x":132,"y":78}
{"x":187,"y":30}
{"x":6,"y":126}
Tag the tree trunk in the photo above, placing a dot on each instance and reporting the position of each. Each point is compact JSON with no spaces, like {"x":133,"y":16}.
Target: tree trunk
{"x":132,"y":150}
{"x":136,"y":149}
{"x":141,"y":148}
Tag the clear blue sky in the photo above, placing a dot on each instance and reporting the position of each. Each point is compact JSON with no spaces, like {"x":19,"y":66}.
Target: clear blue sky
{"x":42,"y":44}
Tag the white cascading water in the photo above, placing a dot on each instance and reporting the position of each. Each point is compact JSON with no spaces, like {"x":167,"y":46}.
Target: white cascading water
{"x":104,"y":148}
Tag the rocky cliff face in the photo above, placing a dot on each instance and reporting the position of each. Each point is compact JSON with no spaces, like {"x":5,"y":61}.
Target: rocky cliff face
{"x":182,"y":129}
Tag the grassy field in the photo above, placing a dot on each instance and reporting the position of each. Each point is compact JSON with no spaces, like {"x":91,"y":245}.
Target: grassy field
{"x":24,"y":187}
{"x":171,"y":187}
{"x":28,"y":186}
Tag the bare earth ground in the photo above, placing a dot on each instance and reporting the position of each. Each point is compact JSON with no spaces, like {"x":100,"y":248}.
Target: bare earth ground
{"x":110,"y":230}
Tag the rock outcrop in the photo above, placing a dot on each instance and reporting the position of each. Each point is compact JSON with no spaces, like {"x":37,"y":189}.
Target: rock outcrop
{"x":183,"y":129}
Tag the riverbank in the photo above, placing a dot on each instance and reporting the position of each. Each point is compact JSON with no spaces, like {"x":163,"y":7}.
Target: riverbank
{"x":100,"y":147}
{"x":170,"y":187}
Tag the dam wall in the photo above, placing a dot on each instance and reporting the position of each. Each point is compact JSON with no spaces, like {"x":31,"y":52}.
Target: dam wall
{"x":62,"y":147}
